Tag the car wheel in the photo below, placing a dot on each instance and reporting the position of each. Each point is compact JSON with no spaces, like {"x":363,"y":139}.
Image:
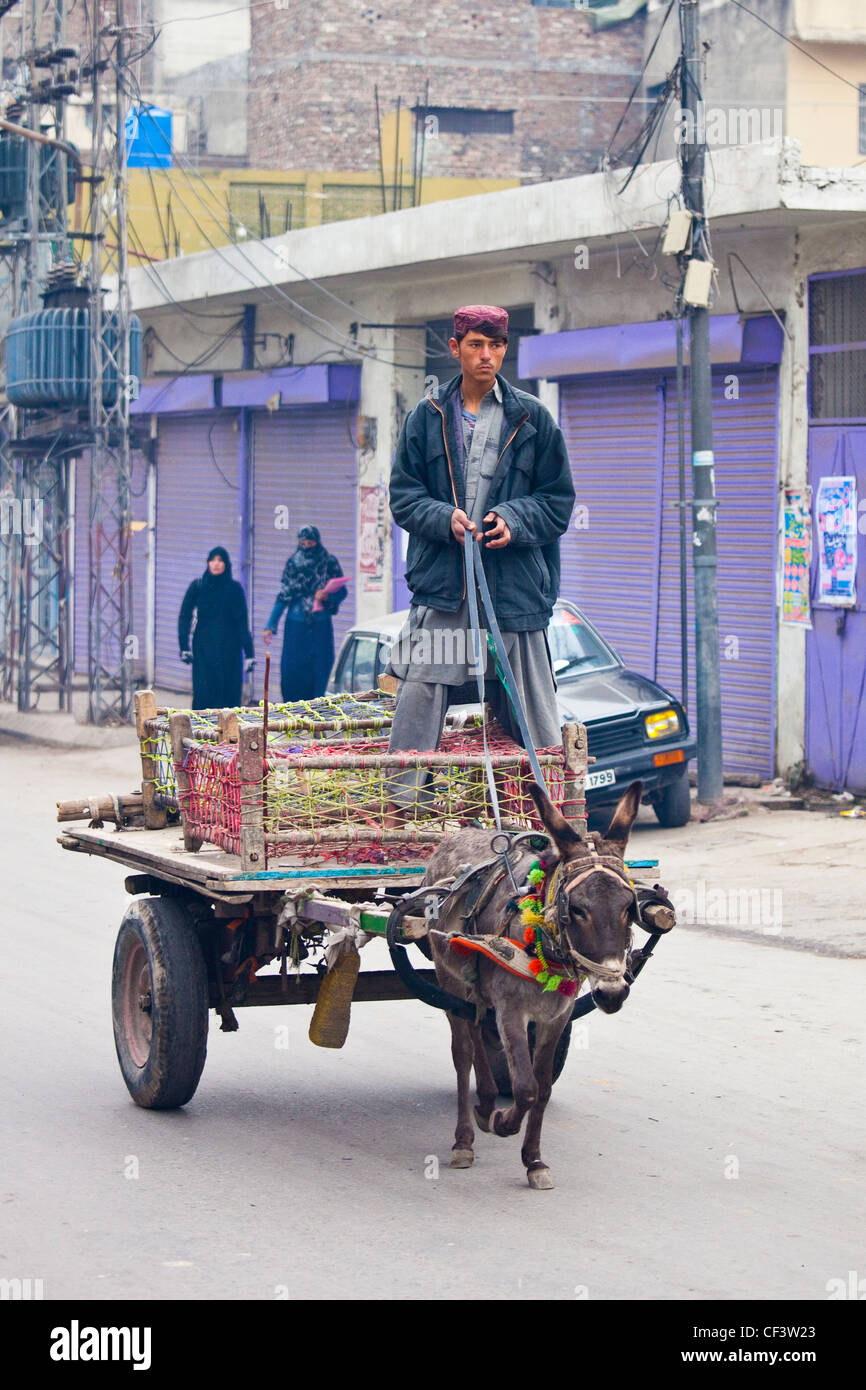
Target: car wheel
{"x":673,"y":806}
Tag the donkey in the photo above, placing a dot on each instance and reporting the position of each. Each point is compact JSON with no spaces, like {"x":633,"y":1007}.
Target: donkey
{"x":588,"y":905}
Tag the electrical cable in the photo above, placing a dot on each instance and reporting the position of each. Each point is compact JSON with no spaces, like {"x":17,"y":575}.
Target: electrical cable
{"x":198,"y":361}
{"x":278,"y":254}
{"x":650,"y":125}
{"x":150,"y":330}
{"x":269,"y":286}
{"x":227,"y":481}
{"x":804,"y":51}
{"x":733,"y":256}
{"x":640,"y":79}
{"x":160,"y":285}
{"x":221,"y":14}
{"x":269,"y":290}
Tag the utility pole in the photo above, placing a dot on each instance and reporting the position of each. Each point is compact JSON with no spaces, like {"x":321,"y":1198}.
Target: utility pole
{"x":707,"y":665}
{"x":110,"y":640}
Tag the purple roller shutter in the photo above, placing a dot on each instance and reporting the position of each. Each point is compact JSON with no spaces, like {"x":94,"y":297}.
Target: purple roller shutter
{"x":745,"y":448}
{"x":303,"y":461}
{"x":197,"y":507}
{"x":609,"y":554}
{"x":137,"y":560}
{"x":623,"y":569}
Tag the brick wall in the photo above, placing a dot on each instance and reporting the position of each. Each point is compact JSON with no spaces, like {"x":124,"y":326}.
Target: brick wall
{"x":314,"y":68}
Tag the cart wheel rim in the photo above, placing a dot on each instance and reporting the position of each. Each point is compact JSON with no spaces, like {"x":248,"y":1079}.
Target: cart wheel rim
{"x":137,"y":1005}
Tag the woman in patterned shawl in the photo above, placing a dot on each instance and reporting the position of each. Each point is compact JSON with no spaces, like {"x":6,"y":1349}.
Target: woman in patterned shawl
{"x":309,"y":599}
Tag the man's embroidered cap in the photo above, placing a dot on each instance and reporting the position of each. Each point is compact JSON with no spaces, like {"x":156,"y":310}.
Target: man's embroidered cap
{"x":482,"y":318}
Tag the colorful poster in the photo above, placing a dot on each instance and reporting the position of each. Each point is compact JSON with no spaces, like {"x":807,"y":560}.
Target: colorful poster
{"x":836,"y":518}
{"x":371,"y":503}
{"x":796,"y":555}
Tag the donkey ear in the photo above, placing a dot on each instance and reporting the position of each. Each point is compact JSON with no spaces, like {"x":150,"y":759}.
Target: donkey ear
{"x":554,"y":822}
{"x":624,"y":816}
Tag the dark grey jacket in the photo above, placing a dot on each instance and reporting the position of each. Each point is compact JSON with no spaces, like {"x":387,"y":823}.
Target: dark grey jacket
{"x":532,"y":490}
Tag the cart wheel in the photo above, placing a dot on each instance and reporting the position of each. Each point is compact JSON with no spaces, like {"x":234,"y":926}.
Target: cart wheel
{"x":499,"y":1063}
{"x":159,"y":998}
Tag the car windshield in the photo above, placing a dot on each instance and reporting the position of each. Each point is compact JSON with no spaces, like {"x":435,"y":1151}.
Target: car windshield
{"x":574,"y":646}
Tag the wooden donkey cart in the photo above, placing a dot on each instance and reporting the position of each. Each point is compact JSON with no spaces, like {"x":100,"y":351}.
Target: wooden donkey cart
{"x":262,"y":858}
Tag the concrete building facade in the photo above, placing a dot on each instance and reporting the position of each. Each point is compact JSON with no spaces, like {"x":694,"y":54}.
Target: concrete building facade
{"x":794,"y":68}
{"x":516,"y":89}
{"x":583,"y":259}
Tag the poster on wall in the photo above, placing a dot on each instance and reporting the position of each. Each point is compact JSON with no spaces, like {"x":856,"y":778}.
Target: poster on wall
{"x":796,"y":555}
{"x":371,"y":502}
{"x":836,"y":519}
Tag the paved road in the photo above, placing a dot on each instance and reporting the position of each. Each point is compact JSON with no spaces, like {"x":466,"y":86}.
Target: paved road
{"x":706,"y":1143}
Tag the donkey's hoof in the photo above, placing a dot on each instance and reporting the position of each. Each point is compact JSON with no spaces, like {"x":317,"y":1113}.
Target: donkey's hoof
{"x":483,"y":1124}
{"x":462,"y":1158}
{"x":540,"y":1179}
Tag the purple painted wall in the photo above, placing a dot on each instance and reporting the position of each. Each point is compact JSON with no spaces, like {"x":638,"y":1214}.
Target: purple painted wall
{"x":836,"y":646}
{"x":640,"y":346}
{"x":402,"y":594}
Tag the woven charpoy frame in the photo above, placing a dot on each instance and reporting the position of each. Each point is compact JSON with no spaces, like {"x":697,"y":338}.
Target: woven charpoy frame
{"x":335,"y":801}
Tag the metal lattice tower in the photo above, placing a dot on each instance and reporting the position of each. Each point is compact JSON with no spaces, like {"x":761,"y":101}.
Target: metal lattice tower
{"x":35,"y":585}
{"x":35,"y":477}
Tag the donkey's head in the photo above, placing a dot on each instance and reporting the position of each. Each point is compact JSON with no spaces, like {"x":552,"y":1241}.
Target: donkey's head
{"x":594,"y":900}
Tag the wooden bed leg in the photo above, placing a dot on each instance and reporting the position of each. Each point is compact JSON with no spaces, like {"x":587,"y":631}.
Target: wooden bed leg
{"x":250,"y":768}
{"x":145,"y":709}
{"x":181,"y":728}
{"x":227,"y":726}
{"x":574,"y":748}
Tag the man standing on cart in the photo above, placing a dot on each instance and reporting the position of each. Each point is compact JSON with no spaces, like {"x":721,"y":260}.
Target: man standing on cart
{"x":478,"y":462}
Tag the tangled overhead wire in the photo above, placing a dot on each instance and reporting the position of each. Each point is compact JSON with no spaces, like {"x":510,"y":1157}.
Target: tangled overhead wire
{"x":634,"y":151}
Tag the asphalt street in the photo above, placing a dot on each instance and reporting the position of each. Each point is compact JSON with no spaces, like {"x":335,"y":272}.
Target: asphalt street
{"x":706,"y":1143}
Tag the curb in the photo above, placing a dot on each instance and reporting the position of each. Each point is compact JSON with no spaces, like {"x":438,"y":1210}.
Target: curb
{"x":782,"y":941}
{"x":80,"y":737}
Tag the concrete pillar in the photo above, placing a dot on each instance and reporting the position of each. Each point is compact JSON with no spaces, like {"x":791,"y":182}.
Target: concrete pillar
{"x":392,"y":382}
{"x":793,"y":472}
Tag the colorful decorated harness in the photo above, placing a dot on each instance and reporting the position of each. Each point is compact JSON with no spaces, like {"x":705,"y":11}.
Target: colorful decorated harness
{"x":544,"y":913}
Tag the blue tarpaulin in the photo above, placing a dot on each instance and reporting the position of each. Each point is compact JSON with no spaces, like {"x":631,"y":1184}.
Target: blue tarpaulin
{"x":148,"y":138}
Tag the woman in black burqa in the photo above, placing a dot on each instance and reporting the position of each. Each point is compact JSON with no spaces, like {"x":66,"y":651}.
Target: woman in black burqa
{"x":222,"y":634}
{"x":310,"y":598}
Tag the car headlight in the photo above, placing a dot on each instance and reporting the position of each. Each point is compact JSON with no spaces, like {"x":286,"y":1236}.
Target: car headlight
{"x":662,"y":724}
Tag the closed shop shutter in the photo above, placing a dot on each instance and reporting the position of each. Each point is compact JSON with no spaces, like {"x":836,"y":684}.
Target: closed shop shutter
{"x":197,"y":507}
{"x":623,"y":569}
{"x":304,"y":469}
{"x":137,"y":561}
{"x":609,"y":553}
{"x":744,"y":444}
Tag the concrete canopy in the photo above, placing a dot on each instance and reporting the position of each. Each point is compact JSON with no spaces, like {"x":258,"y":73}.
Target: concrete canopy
{"x":749,"y":186}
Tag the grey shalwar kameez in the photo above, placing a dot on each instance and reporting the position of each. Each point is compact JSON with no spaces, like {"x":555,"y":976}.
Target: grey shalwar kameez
{"x":433,"y":652}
